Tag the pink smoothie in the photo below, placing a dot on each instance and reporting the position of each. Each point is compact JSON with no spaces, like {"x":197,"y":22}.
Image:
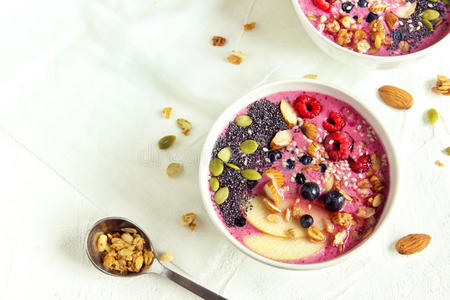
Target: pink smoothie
{"x":408,"y":35}
{"x":366,"y":141}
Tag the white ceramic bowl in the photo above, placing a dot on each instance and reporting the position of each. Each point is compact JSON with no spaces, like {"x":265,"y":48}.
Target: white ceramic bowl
{"x":346,"y":56}
{"x":294,"y":85}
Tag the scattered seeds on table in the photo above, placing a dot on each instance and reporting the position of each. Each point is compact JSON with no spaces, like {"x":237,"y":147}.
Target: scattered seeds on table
{"x":184,"y":124}
{"x":447,"y":150}
{"x":167,"y":112}
{"x":166,"y":142}
{"x":174,"y":169}
{"x":243,"y":121}
{"x":221,"y":195}
{"x":225,"y":154}
{"x":216,"y":166}
{"x":433,"y":116}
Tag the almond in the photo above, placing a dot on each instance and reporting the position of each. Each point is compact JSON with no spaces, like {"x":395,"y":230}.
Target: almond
{"x":309,"y":130}
{"x":396,"y":97}
{"x":390,"y":19}
{"x":412,"y":243}
{"x":273,"y":192}
{"x":288,"y":112}
{"x":271,"y":206}
{"x":281,"y":139}
{"x":406,"y":10}
{"x":312,"y":149}
{"x":276,"y":175}
{"x":378,"y":7}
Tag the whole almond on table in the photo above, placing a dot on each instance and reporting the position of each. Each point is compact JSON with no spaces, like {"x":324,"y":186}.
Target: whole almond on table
{"x":396,"y":97}
{"x":412,"y":243}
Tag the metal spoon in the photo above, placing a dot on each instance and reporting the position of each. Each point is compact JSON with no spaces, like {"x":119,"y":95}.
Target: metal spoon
{"x":114,"y":224}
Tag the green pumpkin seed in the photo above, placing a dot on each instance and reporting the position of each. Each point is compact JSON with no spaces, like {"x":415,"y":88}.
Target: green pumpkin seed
{"x":250,"y":174}
{"x":248,"y":146}
{"x":166,"y":142}
{"x":446,"y":2}
{"x":184,"y":124}
{"x":430,"y":14}
{"x":233,"y":166}
{"x":433,"y":0}
{"x":433,"y":116}
{"x":447,"y":150}
{"x":243,"y":121}
{"x":214,"y":184}
{"x":221,"y":195}
{"x":225,"y":154}
{"x":438,"y":23}
{"x":216,"y":166}
{"x":427,"y":24}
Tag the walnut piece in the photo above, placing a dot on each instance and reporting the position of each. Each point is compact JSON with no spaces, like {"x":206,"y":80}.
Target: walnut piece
{"x":218,"y":41}
{"x":249,"y":26}
{"x":236,"y":57}
{"x":188,"y":220}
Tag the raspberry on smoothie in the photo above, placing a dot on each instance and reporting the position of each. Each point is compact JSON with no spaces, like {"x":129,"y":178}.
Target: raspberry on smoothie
{"x":380,"y":27}
{"x":299,"y":177}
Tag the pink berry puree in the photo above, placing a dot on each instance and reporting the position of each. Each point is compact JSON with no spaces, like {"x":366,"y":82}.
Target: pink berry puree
{"x":358,"y":177}
{"x":381,"y":27}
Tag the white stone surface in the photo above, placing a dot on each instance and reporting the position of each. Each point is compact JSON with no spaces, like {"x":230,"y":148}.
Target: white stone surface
{"x":82,"y":84}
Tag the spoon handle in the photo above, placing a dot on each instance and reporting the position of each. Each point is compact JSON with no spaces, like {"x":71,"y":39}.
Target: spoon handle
{"x":190,"y":285}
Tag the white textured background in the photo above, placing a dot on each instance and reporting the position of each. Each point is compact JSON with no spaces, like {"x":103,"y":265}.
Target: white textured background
{"x":82,"y":83}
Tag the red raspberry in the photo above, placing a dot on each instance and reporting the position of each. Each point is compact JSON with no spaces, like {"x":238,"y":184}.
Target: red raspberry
{"x":335,"y":122}
{"x":362,"y":164}
{"x":307,"y":107}
{"x":323,"y":5}
{"x":338,"y":145}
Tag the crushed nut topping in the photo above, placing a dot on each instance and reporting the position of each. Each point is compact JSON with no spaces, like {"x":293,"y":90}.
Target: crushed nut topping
{"x":439,"y":163}
{"x":249,"y":26}
{"x":188,"y":220}
{"x":442,"y":85}
{"x":167,"y":112}
{"x":124,"y":252}
{"x":236,"y":57}
{"x":342,"y":219}
{"x":339,"y":239}
{"x":365,"y":212}
{"x":218,"y":41}
{"x":315,"y":234}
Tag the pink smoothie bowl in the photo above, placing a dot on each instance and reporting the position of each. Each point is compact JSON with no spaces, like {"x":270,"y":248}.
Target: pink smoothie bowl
{"x":345,"y":55}
{"x":295,"y":85}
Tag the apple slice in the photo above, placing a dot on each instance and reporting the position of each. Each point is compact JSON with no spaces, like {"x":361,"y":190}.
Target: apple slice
{"x":282,"y":249}
{"x":288,"y":112}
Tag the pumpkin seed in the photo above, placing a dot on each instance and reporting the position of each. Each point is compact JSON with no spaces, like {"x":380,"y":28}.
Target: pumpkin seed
{"x":214,"y":184}
{"x":166,"y":142}
{"x":243,"y":121}
{"x":438,"y":23}
{"x":233,"y":166}
{"x":433,"y":116}
{"x":427,"y":24}
{"x":184,"y":124}
{"x":430,"y":14}
{"x":221,"y":195}
{"x":250,"y":174}
{"x":446,"y":2}
{"x":225,"y":154}
{"x":174,"y":169}
{"x":447,"y":150}
{"x":248,"y":146}
{"x":216,"y":166}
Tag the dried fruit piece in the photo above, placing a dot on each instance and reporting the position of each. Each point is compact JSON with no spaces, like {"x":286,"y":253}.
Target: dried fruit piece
{"x":243,"y":121}
{"x":174,"y":169}
{"x":281,"y":139}
{"x":275,"y":175}
{"x":315,"y":234}
{"x":218,"y":41}
{"x":433,"y":116}
{"x":248,"y":146}
{"x":225,"y":154}
{"x":288,"y":113}
{"x":167,"y":112}
{"x":214,"y":184}
{"x":166,"y":257}
{"x":250,"y":174}
{"x":390,"y":19}
{"x":309,"y":130}
{"x":249,"y":26}
{"x":396,"y":97}
{"x":339,"y":239}
{"x":236,"y":57}
{"x":216,"y":166}
{"x":273,"y":193}
{"x":184,"y":124}
{"x":221,"y":195}
{"x":166,"y":142}
{"x":412,"y":243}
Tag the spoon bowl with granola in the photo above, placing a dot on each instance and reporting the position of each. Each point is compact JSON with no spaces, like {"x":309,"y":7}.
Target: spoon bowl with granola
{"x":116,"y":246}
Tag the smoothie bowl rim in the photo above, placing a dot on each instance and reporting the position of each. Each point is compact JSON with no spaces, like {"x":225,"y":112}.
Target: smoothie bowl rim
{"x":380,"y":59}
{"x":284,"y":86}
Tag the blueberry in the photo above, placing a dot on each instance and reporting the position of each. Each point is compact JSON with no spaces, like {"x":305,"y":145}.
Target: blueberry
{"x":347,"y":7}
{"x":306,"y":221}
{"x":333,"y":200}
{"x":371,"y":16}
{"x":251,"y":184}
{"x":363,"y":3}
{"x":274,"y":155}
{"x":305,"y":159}
{"x":240,"y":222}
{"x":310,"y":191}
{"x":300,"y":178}
{"x":355,"y":18}
{"x":290,"y":164}
{"x":397,"y":36}
{"x":323,"y":168}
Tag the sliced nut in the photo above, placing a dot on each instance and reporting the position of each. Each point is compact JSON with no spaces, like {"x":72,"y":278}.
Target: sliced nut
{"x":315,"y":234}
{"x":390,"y":19}
{"x":249,"y":26}
{"x":313,"y":149}
{"x":281,"y":139}
{"x":364,"y":183}
{"x":288,"y":113}
{"x":329,"y":227}
{"x":376,"y":161}
{"x":296,"y":211}
{"x":287,"y":215}
{"x":377,"y":200}
{"x":365,"y":212}
{"x":167,"y":112}
{"x":329,"y":184}
{"x":290,"y":233}
{"x":378,"y":7}
{"x":342,"y":219}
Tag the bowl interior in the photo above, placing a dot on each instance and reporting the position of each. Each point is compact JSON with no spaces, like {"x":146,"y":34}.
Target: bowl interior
{"x":293,"y":85}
